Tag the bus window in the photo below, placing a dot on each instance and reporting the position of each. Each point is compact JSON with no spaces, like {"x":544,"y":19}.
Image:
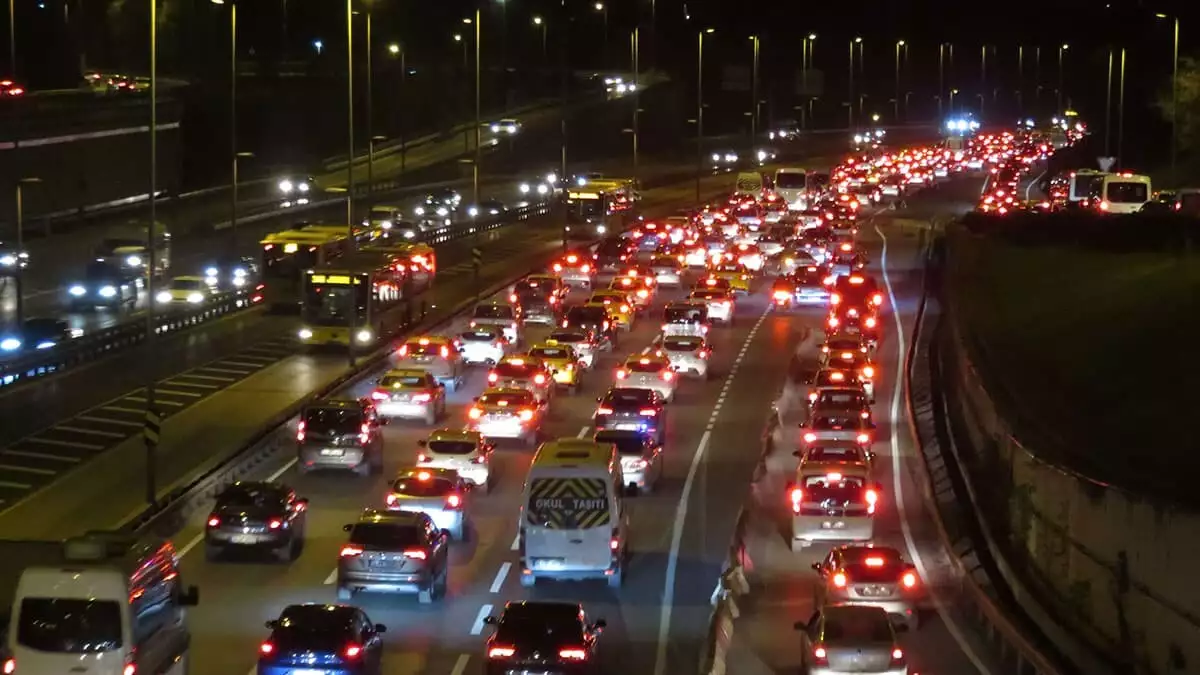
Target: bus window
{"x":329,"y":304}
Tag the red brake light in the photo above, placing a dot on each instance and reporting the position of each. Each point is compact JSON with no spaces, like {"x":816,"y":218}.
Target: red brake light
{"x":667,"y":376}
{"x":453,"y":501}
{"x":604,"y":411}
{"x":621,"y":373}
{"x":476,"y":413}
{"x":797,"y":497}
{"x":403,"y":351}
{"x":214,"y":522}
{"x":422,"y":398}
{"x":647,"y":412}
{"x":350,"y":551}
{"x":863,"y":439}
{"x":874,"y":561}
{"x":264,"y":648}
{"x":275,"y":524}
{"x":539,"y":379}
{"x":445,"y":351}
{"x":526,"y":415}
{"x":352,"y":651}
{"x":897,"y":656}
{"x":909,"y":580}
{"x":835,"y":298}
{"x":839,"y":579}
{"x":572,"y":654}
{"x":415,"y":554}
{"x":870,"y":322}
{"x":872,"y":497}
{"x":820,"y":656}
{"x":500,"y":652}
{"x":492,"y":377}
{"x":810,"y":437}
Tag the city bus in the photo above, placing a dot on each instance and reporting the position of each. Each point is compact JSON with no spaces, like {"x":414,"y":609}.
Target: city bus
{"x":345,"y":302}
{"x":285,"y":257}
{"x":593,"y":201}
{"x":420,"y":259}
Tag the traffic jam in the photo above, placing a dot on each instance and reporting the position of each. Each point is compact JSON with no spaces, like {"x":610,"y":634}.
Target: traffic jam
{"x":487,"y":387}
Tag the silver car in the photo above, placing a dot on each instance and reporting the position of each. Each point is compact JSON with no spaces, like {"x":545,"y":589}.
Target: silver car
{"x":865,"y":574}
{"x":668,"y":271}
{"x":687,"y":354}
{"x":686,"y":318}
{"x":394,"y":552}
{"x":484,"y":345}
{"x":852,"y":640}
{"x":410,"y":394}
{"x":436,"y":354}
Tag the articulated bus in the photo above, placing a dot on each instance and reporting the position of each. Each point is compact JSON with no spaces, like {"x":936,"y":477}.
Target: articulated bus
{"x":346,"y":302}
{"x":420,"y":260}
{"x":285,"y":257}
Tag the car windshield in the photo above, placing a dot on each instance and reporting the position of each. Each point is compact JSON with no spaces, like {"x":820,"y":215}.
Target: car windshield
{"x":405,"y":380}
{"x":628,"y":443}
{"x":841,"y":398}
{"x":332,"y":421}
{"x":646,"y":366}
{"x":100,"y":271}
{"x":1128,"y":192}
{"x":834,"y":453}
{"x":422,"y":484}
{"x":249,"y":495}
{"x":511,"y":399}
{"x":517,"y":370}
{"x":834,"y":422}
{"x":451,"y":447}
{"x":834,"y":487}
{"x":568,"y":337}
{"x":427,"y":349}
{"x":708,"y":295}
{"x":524,"y":625}
{"x":685,"y":314}
{"x":315,"y":628}
{"x":628,"y":398}
{"x":478,"y":336}
{"x":69,"y":625}
{"x":493,"y":312}
{"x":857,"y":628}
{"x":187,"y":285}
{"x":385,"y":536}
{"x":551,"y":352}
{"x":789,"y":180}
{"x":682,"y":344}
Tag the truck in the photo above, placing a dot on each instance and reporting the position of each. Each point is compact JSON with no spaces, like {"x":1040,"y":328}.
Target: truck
{"x":127,"y":246}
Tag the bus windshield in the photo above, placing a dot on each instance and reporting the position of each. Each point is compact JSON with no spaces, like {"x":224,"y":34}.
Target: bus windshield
{"x":327,"y":304}
{"x":585,"y":208}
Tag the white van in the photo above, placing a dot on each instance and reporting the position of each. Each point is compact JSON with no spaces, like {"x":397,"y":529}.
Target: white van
{"x":111,"y":607}
{"x":573,"y":524}
{"x":749,"y":183}
{"x":791,"y":184}
{"x":1124,"y":193}
{"x":1083,"y":183}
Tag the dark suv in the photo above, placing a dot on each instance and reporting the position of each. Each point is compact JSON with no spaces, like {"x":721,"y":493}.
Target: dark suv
{"x":256,"y":516}
{"x":594,"y":319}
{"x":542,"y":637}
{"x":340,"y":434}
{"x":394,"y":552}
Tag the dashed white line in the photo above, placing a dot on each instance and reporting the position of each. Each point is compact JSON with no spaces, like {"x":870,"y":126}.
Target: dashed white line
{"x":583,"y":432}
{"x":331,"y":578}
{"x":898,"y":485}
{"x":484,"y":612}
{"x":516,"y":545}
{"x":460,"y":666}
{"x":501,"y":575}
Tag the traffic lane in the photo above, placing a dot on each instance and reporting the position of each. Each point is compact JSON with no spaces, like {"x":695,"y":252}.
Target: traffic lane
{"x":338,"y":499}
{"x":205,"y":433}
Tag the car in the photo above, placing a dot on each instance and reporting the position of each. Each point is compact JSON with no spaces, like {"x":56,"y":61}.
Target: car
{"x":613,"y":252}
{"x":394,"y":552}
{"x":841,"y":342}
{"x":410,"y":393}
{"x":583,"y":342}
{"x":463,"y":450}
{"x":793,"y":258}
{"x":234,"y":273}
{"x":856,"y":291}
{"x":835,"y":455}
{"x":738,"y":277}
{"x":341,"y":638}
{"x":502,"y":315}
{"x":619,"y":307}
{"x":595,"y":320}
{"x":860,"y":363}
{"x":295,"y":190}
{"x":562,"y":362}
{"x":433,"y":353}
{"x":263,"y":516}
{"x":542,"y":637}
{"x":628,"y":409}
{"x":483,"y":345}
{"x":812,"y":284}
{"x":687,"y":354}
{"x":641,"y":458}
{"x":851,"y":639}
{"x":507,"y":126}
{"x":749,"y":256}
{"x":866,"y":325}
{"x":783,"y":293}
{"x":719,"y":303}
{"x":520,"y":371}
{"x":668,"y":270}
{"x":840,"y":398}
{"x":536,"y":308}
{"x":507,"y":413}
{"x":687,"y":318}
{"x":576,"y":268}
{"x":38,"y":333}
{"x":103,"y":285}
{"x":870,"y":575}
{"x":439,"y":493}
{"x":648,"y":371}
{"x":831,"y":503}
{"x":547,"y":285}
{"x":838,"y":424}
{"x":639,"y":289}
{"x":340,"y":434}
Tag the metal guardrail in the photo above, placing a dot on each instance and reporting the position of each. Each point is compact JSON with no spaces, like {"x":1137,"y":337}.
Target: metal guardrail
{"x":117,"y":338}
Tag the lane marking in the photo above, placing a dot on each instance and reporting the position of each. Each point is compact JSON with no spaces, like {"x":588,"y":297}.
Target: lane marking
{"x":484,"y":612}
{"x":331,"y":578}
{"x":583,"y":432}
{"x":516,"y":545}
{"x":501,"y":575}
{"x":460,"y":666}
{"x":1035,"y":181}
{"x":939,"y":603}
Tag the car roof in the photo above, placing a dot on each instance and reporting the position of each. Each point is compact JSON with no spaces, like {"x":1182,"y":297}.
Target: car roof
{"x":405,"y":372}
{"x":648,"y":358}
{"x":564,"y":610}
{"x":456,"y":434}
{"x":334,"y":404}
{"x":378,"y":516}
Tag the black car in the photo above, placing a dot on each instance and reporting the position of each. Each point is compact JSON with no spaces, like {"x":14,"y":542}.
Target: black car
{"x":340,"y":434}
{"x":38,"y":333}
{"x":103,"y":285}
{"x":322,"y":638}
{"x":594,"y":319}
{"x":258,"y":516}
{"x":627,"y":409}
{"x":542,"y":637}
{"x":613,"y":252}
{"x":537,"y":308}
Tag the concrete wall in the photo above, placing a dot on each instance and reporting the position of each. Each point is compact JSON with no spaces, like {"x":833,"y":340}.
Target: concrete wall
{"x":1116,"y":566}
{"x":86,"y":149}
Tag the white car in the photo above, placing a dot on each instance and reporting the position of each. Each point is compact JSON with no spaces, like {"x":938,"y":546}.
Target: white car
{"x":648,"y":371}
{"x":720,"y":303}
{"x":438,"y":493}
{"x":582,"y":342}
{"x":185,"y":291}
{"x":668,"y":271}
{"x":466,"y":452}
{"x":687,"y":354}
{"x":501,"y":315}
{"x":483,"y":345}
{"x":506,"y":126}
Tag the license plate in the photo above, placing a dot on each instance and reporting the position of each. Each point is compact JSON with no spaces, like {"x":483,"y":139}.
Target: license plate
{"x":833,"y":526}
{"x":332,"y":452}
{"x":380,"y":564}
{"x":308,"y":671}
{"x":243,"y":539}
{"x":626,"y":427}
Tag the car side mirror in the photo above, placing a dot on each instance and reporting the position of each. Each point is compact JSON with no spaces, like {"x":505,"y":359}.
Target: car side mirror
{"x":490,"y":621}
{"x":816,"y":567}
{"x":271,"y":624}
{"x":190,"y":597}
{"x":422,"y":443}
{"x":380,"y":628}
{"x":600,"y":624}
{"x":347,"y":527}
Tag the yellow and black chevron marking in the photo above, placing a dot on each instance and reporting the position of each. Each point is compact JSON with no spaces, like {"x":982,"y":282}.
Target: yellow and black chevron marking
{"x":569,"y":503}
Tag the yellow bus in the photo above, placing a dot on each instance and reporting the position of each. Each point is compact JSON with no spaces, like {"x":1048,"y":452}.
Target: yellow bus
{"x":345,"y":302}
{"x":285,"y":257}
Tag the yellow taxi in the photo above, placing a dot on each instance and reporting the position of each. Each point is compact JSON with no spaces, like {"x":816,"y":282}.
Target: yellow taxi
{"x":618,"y":304}
{"x":561,"y":360}
{"x":737,"y":276}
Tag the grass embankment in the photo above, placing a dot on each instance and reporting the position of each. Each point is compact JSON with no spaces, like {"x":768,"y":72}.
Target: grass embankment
{"x":1089,"y":354}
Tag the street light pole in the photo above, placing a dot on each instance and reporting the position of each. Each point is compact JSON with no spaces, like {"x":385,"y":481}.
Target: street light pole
{"x":1174,"y":95}
{"x":350,"y":230}
{"x":700,"y":105}
{"x":233,"y":138}
{"x":850,"y":87}
{"x":941,"y":78}
{"x":151,"y":440}
{"x":478,"y":115}
{"x":1121,"y":114}
{"x":397,"y":49}
{"x":637,"y":94}
{"x":1061,"y":50}
{"x":12,"y":39}
{"x":370,"y":120}
{"x":754,"y":90}
{"x":896,"y":111}
{"x":1108,"y":104}
{"x":603,"y":9}
{"x":19,"y":271}
{"x":1021,"y":79}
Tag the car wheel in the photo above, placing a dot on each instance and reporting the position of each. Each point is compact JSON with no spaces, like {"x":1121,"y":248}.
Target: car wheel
{"x":286,"y":553}
{"x":531,"y":440}
{"x":344,"y":594}
{"x":617,"y":578}
{"x":528,"y":581}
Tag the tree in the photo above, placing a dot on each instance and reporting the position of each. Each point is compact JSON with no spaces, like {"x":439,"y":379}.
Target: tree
{"x":1187,"y":116}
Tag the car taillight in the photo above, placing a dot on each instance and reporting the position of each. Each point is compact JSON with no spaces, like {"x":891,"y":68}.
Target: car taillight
{"x":264,"y":648}
{"x":422,"y":398}
{"x":500,"y":652}
{"x":492,"y":377}
{"x":647,"y":412}
{"x":214,"y":521}
{"x":909,"y":580}
{"x":416,"y":554}
{"x":512,"y":297}
{"x":557,"y":267}
{"x":797,"y":497}
{"x":621,"y":373}
{"x":625,"y":308}
{"x":526,"y":415}
{"x":403,"y":351}
{"x":877,"y":298}
{"x":870,"y":322}
{"x":835,"y":298}
{"x":820,"y":656}
{"x":352,"y":651}
{"x":810,"y":437}
{"x":364,"y":433}
{"x":392,"y":499}
{"x":667,"y":376}
{"x":839,"y":579}
{"x":539,"y":379}
{"x":572,"y":654}
{"x":872,"y":497}
{"x":380,"y":395}
{"x":453,"y":501}
{"x":585,"y":268}
{"x":782,"y":295}
{"x":474,"y":413}
{"x":275,"y":524}
{"x":897,"y":657}
{"x":833,"y":322}
{"x":445,"y":352}
{"x":300,"y":434}
{"x":863,"y":439}
{"x":350,"y":551}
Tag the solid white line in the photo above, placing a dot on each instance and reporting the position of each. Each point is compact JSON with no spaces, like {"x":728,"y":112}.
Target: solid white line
{"x":516,"y":545}
{"x":501,"y":575}
{"x":583,"y":432}
{"x":331,"y":578}
{"x":484,"y":612}
{"x":1034,"y":182}
{"x":460,"y":666}
{"x":681,"y":509}
{"x":898,"y":485}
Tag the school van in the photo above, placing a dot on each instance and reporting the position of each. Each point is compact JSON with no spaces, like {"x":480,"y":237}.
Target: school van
{"x":749,"y":183}
{"x":112,"y":606}
{"x":573,"y":523}
{"x":1124,"y":193}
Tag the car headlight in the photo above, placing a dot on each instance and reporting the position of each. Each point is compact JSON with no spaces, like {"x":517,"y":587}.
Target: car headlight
{"x":303,"y":187}
{"x":420,"y":210}
{"x":472,"y":212}
{"x":385,"y":224}
{"x":211,"y":272}
{"x":305,"y":334}
{"x":551,"y":178}
{"x":731,"y":157}
{"x":10,"y":344}
{"x":77,"y":291}
{"x":543,"y":189}
{"x":495,"y":128}
{"x":600,"y":229}
{"x":108,"y":291}
{"x":195,"y":298}
{"x":762,"y":156}
{"x":523,"y":188}
{"x":134,"y":261}
{"x":716,"y":157}
{"x":443,"y":211}
{"x":8,"y":260}
{"x":285,"y":186}
{"x":364,"y":335}
{"x":46,"y":344}
{"x":409,"y":234}
{"x":163,"y":296}
{"x":494,"y":212}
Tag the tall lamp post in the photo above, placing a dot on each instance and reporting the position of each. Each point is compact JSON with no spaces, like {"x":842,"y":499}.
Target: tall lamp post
{"x":755,"y":42}
{"x":850,"y":88}
{"x":636,"y":44}
{"x":1174,"y":94}
{"x":350,"y":186}
{"x":233,"y":138}
{"x":700,"y":104}
{"x":233,"y":188}
{"x":1061,"y":51}
{"x":603,"y":9}
{"x":397,"y":50}
{"x":540,"y":23}
{"x":806,"y":63}
{"x":151,"y":428}
{"x":478,"y":112}
{"x":896,"y":112}
{"x":12,"y":39}
{"x":20,"y":262}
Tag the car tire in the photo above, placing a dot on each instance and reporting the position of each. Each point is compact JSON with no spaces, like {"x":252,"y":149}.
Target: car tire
{"x":531,"y":440}
{"x":426,"y":597}
{"x":285,"y":553}
{"x":528,"y":581}
{"x":344,"y":594}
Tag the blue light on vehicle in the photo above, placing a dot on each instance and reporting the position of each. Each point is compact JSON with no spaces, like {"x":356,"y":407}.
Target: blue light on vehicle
{"x":10,"y":344}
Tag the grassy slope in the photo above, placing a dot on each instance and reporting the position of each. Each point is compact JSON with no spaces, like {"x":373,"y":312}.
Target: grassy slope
{"x":1091,"y":353}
